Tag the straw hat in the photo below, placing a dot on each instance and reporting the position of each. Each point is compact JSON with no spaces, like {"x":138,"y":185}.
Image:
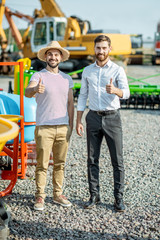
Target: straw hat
{"x":53,"y":45}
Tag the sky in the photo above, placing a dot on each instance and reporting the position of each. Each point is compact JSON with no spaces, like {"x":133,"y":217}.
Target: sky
{"x":127,"y":16}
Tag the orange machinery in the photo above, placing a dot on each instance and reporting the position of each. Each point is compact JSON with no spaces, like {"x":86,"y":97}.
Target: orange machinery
{"x":9,"y":130}
{"x":22,"y":145}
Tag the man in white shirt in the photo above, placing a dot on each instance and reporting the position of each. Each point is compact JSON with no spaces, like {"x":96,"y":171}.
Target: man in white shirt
{"x":104,"y":83}
{"x":54,"y":120}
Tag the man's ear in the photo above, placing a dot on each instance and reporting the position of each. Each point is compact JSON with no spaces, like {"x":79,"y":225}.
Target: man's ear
{"x":45,"y":56}
{"x":61,"y":57}
{"x":110,"y":49}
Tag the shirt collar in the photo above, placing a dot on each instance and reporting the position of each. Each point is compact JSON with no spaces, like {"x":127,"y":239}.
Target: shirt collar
{"x":108,"y":64}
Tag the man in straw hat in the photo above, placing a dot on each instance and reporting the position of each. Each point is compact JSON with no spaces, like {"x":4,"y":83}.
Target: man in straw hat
{"x":54,"y":120}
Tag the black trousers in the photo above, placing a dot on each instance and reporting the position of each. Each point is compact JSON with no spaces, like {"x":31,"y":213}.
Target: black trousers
{"x":108,"y":126}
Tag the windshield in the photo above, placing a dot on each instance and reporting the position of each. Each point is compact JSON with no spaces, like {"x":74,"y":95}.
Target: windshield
{"x":40,"y":37}
{"x":136,"y":41}
{"x":60,"y":29}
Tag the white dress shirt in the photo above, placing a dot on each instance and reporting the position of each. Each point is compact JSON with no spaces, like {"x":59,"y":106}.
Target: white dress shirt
{"x":93,"y":87}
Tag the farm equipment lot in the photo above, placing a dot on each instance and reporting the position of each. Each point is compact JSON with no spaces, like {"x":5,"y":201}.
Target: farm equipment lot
{"x":135,"y":71}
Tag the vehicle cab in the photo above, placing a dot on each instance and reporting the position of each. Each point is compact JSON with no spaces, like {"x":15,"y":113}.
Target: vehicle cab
{"x":45,"y":30}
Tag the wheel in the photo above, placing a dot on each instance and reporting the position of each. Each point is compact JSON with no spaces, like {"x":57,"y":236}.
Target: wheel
{"x":81,"y":65}
{"x":37,"y":64}
{"x":153,"y":60}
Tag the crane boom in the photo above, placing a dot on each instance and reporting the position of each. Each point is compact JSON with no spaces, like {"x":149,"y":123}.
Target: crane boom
{"x":51,"y":8}
{"x":50,"y":23}
{"x":15,"y":32}
{"x":3,"y":39}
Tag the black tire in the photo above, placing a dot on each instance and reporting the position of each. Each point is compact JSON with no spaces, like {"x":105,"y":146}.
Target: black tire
{"x":37,"y":64}
{"x":82,"y":64}
{"x":153,"y":60}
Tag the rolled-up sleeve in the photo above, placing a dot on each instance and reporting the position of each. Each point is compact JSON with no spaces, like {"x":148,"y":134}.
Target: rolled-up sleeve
{"x":122,"y":83}
{"x":82,"y":99}
{"x":35,"y":77}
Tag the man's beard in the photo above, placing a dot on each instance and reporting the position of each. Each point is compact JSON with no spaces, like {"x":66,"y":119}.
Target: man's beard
{"x":99,"y":57}
{"x":52,"y":66}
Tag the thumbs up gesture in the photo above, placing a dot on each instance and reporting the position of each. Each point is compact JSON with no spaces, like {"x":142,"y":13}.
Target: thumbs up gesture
{"x":40,"y":87}
{"x":110,"y":88}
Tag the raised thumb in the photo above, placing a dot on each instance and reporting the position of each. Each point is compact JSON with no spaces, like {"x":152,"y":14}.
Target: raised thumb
{"x":111,"y":80}
{"x":40,"y":80}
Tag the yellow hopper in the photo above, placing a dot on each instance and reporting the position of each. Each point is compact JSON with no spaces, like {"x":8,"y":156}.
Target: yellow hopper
{"x":8,"y":130}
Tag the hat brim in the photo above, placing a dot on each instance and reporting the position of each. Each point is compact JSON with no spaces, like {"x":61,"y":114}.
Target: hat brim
{"x":41,"y":53}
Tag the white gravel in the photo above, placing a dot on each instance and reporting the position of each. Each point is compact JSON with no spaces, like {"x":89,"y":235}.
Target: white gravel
{"x":141,"y":220}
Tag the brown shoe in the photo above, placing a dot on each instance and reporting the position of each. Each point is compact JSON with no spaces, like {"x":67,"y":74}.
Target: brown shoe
{"x":39,"y":204}
{"x":62,"y":200}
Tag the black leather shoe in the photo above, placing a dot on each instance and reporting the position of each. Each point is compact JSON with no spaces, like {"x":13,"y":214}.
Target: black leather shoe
{"x":95,"y":199}
{"x":119,"y":205}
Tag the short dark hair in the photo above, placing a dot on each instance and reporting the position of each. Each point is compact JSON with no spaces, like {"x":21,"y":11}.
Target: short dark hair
{"x":102,"y":38}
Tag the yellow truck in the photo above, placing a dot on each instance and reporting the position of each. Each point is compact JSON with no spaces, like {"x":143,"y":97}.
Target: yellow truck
{"x":72,"y":33}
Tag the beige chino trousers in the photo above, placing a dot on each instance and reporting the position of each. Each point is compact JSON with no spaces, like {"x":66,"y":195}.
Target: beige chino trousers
{"x":51,"y":138}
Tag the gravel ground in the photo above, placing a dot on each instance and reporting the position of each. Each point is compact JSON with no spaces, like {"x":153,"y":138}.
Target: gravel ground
{"x":141,"y":220}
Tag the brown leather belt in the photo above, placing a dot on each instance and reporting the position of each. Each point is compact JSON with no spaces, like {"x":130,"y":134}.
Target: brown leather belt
{"x":104,"y":113}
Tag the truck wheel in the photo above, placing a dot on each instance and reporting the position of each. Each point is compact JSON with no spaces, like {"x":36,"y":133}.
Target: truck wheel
{"x":37,"y":64}
{"x":153,"y":60}
{"x":82,"y":64}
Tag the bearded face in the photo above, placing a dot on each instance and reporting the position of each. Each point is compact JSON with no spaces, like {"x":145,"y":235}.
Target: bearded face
{"x":102,"y":50}
{"x":102,"y":56}
{"x":53,"y":58}
{"x":51,"y":64}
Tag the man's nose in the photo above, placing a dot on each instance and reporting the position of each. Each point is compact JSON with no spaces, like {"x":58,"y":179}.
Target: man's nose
{"x":101,"y":50}
{"x":53,"y":57}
